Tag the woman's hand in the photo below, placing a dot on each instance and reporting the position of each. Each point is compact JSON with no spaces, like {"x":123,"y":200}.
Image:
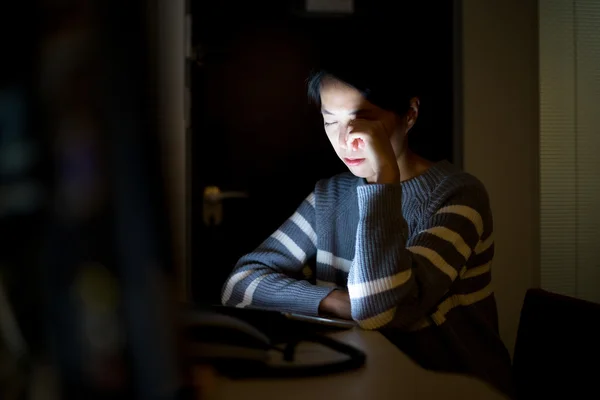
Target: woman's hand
{"x":373,"y":138}
{"x":337,"y":304}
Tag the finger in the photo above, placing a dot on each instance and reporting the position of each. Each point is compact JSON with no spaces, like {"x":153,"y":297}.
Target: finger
{"x":357,"y":138}
{"x":358,"y":126}
{"x":363,"y":142}
{"x":359,"y":132}
{"x":357,"y":144}
{"x":352,"y":142}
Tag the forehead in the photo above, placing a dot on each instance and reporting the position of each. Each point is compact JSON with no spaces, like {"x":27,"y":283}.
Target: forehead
{"x":338,"y":97}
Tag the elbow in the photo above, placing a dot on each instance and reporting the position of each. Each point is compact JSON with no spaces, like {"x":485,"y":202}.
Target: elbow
{"x":409,"y":318}
{"x":224,"y":296}
{"x":377,"y":304}
{"x":376,"y":321}
{"x":403,"y":313}
{"x":405,"y":322}
{"x":232,"y":286}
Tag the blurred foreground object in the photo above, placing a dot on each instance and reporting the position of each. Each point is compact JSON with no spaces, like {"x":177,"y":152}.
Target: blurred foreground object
{"x":88,"y":272}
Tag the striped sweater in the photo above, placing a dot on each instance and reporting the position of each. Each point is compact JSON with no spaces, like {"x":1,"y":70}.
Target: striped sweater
{"x":415,"y":258}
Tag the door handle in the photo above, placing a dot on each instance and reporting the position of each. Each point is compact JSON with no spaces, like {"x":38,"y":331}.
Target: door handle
{"x":212,"y":208}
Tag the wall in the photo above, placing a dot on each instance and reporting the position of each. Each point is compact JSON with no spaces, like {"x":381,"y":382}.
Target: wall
{"x":500,"y":138}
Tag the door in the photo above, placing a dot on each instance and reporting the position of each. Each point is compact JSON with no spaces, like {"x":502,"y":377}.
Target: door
{"x":258,"y":146}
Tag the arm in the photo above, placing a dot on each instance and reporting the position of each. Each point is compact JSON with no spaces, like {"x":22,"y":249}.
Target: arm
{"x":394,"y":280}
{"x":272,"y":275}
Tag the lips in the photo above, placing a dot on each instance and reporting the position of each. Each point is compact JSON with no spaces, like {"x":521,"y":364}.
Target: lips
{"x":354,"y":161}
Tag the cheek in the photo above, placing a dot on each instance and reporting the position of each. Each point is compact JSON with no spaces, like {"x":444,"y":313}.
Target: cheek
{"x":333,"y":138}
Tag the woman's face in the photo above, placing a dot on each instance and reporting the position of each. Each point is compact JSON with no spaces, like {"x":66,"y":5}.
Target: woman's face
{"x":340,"y":104}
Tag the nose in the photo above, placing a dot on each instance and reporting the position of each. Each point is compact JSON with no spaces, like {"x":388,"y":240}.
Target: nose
{"x":343,"y":136}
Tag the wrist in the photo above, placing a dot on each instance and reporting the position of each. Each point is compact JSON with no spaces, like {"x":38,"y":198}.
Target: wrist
{"x":387,"y":177}
{"x":337,"y":303}
{"x":385,"y":173}
{"x":387,"y":180}
{"x":326,"y":306}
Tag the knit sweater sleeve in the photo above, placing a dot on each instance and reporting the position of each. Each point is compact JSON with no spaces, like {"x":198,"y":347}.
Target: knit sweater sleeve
{"x":272,"y":276}
{"x":396,"y":280}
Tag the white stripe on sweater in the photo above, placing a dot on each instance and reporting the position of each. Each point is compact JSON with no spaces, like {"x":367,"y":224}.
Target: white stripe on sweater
{"x":435,"y":259}
{"x":452,"y":302}
{"x":232,"y":281}
{"x":305,"y":226}
{"x":450,"y":236}
{"x":249,"y":293}
{"x":459,"y":300}
{"x":476,"y":271}
{"x":311,"y":199}
{"x":327,"y":258}
{"x":484,"y":245}
{"x":378,"y":320}
{"x":364,"y":289}
{"x":290,"y":245}
{"x":470,"y":213}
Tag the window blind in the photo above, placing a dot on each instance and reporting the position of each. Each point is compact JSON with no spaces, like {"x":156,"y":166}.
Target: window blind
{"x":569,"y":51}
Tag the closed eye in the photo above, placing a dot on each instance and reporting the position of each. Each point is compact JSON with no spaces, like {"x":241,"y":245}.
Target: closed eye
{"x":329,"y":123}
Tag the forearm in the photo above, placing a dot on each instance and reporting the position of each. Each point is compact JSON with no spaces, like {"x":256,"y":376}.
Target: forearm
{"x":400,"y":279}
{"x":255,"y":284}
{"x":383,"y":283}
{"x":272,"y":275}
{"x":381,"y":271}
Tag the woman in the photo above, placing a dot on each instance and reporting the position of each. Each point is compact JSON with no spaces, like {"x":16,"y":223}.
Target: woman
{"x":401,"y":244}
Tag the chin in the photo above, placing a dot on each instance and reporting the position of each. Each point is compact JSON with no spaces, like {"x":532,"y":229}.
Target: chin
{"x":361,"y":171}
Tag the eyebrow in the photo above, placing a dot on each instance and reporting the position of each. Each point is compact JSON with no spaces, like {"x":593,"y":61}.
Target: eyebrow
{"x":360,"y":111}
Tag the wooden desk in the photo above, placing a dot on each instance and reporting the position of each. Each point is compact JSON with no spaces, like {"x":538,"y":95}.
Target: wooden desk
{"x":388,"y":374}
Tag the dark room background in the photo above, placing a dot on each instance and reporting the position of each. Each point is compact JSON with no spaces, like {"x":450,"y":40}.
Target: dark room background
{"x":253,"y":131}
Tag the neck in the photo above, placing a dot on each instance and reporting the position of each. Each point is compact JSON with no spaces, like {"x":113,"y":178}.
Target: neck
{"x":411,"y":165}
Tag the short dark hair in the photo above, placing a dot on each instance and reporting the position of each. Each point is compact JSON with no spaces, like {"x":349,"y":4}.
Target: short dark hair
{"x":389,"y":62}
{"x":374,"y":70}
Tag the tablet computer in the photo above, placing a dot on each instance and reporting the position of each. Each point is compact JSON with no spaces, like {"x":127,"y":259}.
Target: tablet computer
{"x":327,"y":321}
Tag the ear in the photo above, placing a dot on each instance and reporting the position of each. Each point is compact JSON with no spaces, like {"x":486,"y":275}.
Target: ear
{"x":413,"y":113}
